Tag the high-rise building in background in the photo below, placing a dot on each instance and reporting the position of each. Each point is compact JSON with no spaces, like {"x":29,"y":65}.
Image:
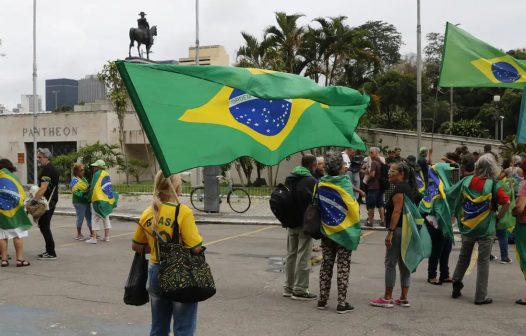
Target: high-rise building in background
{"x":61,"y":92}
{"x":27,"y":103}
{"x":91,"y":89}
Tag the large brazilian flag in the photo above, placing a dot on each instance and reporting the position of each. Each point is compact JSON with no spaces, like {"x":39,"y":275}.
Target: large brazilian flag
{"x":12,"y":196}
{"x":470,"y":62}
{"x":210,"y":115}
{"x":339,"y":211}
{"x":416,"y":241}
{"x":434,"y":202}
{"x":520,"y":246}
{"x":103,"y":198}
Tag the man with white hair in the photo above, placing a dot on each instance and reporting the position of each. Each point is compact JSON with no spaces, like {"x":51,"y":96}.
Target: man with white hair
{"x":48,"y":188}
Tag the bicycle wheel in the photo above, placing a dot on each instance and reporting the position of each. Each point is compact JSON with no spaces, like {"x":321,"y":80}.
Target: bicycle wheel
{"x":197,"y":198}
{"x":239,"y":200}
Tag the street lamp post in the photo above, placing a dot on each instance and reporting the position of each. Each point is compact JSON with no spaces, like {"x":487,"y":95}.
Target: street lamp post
{"x":35,"y":102}
{"x":418,"y":78}
{"x":496,"y":100}
{"x":501,"y":127}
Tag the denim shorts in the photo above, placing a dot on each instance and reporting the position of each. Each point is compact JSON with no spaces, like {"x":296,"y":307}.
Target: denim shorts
{"x":375,"y":199}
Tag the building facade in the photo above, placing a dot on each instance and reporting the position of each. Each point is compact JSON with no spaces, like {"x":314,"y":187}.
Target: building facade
{"x":27,"y":103}
{"x":208,"y":55}
{"x":60,"y":93}
{"x":91,"y":89}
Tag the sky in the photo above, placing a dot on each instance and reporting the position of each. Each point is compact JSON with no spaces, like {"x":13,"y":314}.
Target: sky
{"x":77,"y":37}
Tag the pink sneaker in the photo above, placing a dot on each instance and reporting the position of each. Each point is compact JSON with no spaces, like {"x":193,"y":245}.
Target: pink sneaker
{"x":402,"y":303}
{"x":381,"y":302}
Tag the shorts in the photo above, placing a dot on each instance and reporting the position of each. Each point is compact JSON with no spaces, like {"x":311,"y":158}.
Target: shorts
{"x":99,"y":222}
{"x":13,"y":233}
{"x":375,"y":199}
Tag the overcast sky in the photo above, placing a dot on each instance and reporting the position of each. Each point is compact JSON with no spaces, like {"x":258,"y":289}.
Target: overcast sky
{"x":76,"y":37}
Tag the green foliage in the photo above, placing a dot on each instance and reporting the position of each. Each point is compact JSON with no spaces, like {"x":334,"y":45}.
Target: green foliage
{"x":135,"y":168}
{"x":468,"y":128}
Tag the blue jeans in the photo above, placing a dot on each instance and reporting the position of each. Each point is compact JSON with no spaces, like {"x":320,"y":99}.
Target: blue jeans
{"x":503,"y":243}
{"x":184,"y":314}
{"x":83,"y":210}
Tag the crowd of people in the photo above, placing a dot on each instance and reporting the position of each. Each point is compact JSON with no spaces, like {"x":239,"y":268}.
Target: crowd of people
{"x":459,"y":181}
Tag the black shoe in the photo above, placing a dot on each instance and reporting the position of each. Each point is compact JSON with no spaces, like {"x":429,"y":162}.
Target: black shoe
{"x":492,"y":257}
{"x":457,"y":287}
{"x":47,"y":256}
{"x":342,"y":309}
{"x":304,"y":296}
{"x":505,"y":261}
{"x":321,"y":305}
{"x":485,"y":301}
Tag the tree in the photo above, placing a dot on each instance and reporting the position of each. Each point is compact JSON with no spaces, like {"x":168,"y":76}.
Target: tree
{"x":287,"y":37}
{"x":385,"y":42}
{"x":468,"y":128}
{"x":433,"y":57}
{"x":255,"y":54}
{"x":135,"y":168}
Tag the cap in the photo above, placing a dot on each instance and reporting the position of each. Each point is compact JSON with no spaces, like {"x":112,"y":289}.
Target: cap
{"x":99,"y":163}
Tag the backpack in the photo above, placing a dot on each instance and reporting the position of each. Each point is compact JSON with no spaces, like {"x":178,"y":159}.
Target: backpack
{"x":282,"y":204}
{"x":384,"y":178}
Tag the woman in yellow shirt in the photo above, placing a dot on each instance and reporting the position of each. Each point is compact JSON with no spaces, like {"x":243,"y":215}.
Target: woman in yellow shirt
{"x":159,"y":217}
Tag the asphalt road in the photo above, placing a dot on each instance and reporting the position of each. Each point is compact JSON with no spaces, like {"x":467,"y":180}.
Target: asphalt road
{"x":81,"y":292}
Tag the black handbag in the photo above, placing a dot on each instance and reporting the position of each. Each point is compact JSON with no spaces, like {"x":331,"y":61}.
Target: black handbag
{"x":312,"y":217}
{"x":183,"y":276}
{"x":135,"y":292}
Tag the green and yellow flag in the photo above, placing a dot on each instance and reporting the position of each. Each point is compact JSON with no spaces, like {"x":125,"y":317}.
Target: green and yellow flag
{"x":209,"y":115}
{"x":103,"y":198}
{"x":12,"y":196}
{"x":416,"y":241}
{"x":470,"y":62}
{"x":520,"y":246}
{"x":339,"y":211}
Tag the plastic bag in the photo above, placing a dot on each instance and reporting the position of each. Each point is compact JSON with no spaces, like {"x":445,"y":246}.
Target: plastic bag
{"x":135,"y":292}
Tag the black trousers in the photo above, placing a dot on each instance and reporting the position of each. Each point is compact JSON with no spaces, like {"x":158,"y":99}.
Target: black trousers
{"x":44,"y":223}
{"x":439,"y":254}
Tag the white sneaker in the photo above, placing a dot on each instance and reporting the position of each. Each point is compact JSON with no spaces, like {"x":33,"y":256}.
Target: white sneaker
{"x":91,"y":241}
{"x":105,"y":239}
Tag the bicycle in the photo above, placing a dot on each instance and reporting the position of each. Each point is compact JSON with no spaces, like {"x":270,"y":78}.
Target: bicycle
{"x":237,"y":198}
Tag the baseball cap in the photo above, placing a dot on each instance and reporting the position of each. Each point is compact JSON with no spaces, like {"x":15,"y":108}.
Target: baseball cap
{"x":99,"y":163}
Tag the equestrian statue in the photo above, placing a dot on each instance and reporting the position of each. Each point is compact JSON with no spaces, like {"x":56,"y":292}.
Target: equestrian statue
{"x":143,"y":34}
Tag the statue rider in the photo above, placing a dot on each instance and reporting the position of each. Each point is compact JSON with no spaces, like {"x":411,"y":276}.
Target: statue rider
{"x":143,"y":24}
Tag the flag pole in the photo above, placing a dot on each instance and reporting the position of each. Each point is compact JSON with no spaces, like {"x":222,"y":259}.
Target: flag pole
{"x":198,"y":169}
{"x":35,"y":99}
{"x":418,"y":79}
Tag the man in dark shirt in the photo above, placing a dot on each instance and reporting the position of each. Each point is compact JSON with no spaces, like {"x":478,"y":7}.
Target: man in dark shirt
{"x":299,"y":245}
{"x":48,"y":183}
{"x":375,"y":194}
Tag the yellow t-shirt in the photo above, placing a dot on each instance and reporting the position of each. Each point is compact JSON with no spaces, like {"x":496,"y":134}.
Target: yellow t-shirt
{"x":188,"y":233}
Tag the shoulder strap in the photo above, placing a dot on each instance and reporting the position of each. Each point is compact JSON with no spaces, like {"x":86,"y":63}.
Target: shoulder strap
{"x":175,"y":226}
{"x":494,"y":196}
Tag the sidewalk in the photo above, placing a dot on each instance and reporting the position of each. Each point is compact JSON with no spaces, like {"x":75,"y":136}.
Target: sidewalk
{"x":131,"y":206}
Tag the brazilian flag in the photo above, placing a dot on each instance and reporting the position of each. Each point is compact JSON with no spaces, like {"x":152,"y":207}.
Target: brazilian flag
{"x":339,"y":211}
{"x":209,"y":115}
{"x":507,"y":222}
{"x":473,"y":210}
{"x":416,"y":241}
{"x":470,"y":62}
{"x":103,"y":198}
{"x":420,"y":182}
{"x":434,"y":202}
{"x":12,"y":196}
{"x":520,"y":246}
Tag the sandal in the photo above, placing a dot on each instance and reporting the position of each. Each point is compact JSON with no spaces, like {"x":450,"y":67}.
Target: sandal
{"x":434,"y":281}
{"x":5,"y":263}
{"x":22,"y":263}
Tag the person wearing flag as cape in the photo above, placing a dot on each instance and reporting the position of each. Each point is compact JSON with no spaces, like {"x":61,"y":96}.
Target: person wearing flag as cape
{"x":520,"y":233}
{"x":14,"y":221}
{"x":103,"y":201}
{"x":80,"y":199}
{"x":474,"y":203}
{"x":340,"y":227}
{"x":407,"y":241}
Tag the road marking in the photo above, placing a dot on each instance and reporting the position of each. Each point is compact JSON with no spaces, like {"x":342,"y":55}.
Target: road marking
{"x":239,"y":235}
{"x":367,"y":233}
{"x":473,"y":262}
{"x":81,"y":241}
{"x":54,"y":227}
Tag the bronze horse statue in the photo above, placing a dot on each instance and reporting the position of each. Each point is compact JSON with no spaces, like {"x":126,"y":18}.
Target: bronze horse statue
{"x":141,"y":37}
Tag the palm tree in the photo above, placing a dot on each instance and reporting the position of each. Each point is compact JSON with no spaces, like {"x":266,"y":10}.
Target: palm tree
{"x":255,"y":54}
{"x":286,"y":38}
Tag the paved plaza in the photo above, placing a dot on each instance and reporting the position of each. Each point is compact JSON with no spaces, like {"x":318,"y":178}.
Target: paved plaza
{"x":81,"y":292}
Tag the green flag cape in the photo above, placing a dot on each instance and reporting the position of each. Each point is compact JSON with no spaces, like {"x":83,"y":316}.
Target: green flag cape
{"x":473,"y":210}
{"x":434,"y":202}
{"x":507,"y":222}
{"x":520,"y":246}
{"x":210,"y":115}
{"x":416,"y":242}
{"x":470,"y":62}
{"x":12,"y":196}
{"x":103,"y":198}
{"x":340,"y":212}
